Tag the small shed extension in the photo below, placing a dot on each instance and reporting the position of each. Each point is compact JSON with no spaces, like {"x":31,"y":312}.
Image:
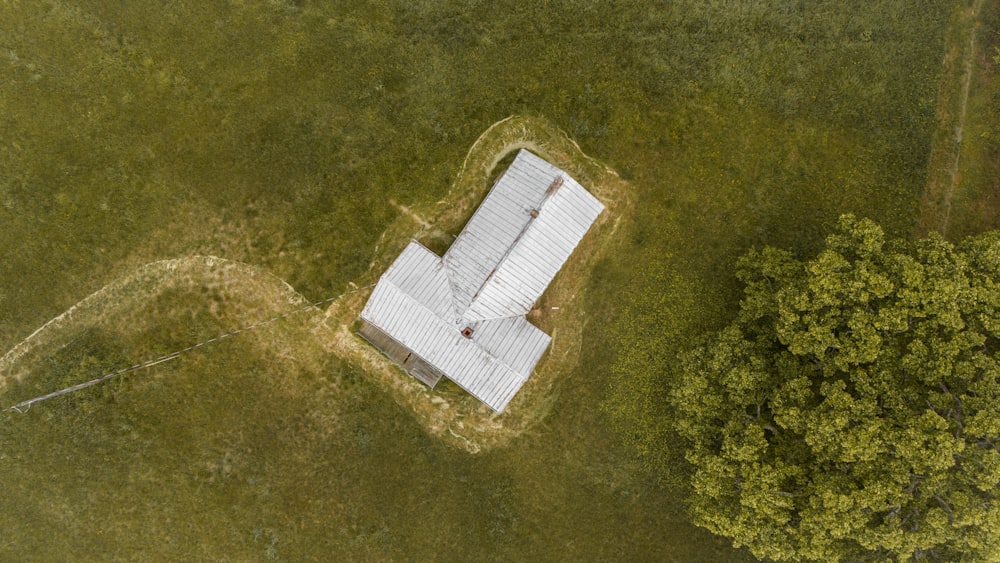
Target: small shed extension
{"x":462,"y":316}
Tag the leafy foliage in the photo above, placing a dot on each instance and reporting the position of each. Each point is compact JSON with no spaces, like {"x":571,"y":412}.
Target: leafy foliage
{"x":852,"y":409}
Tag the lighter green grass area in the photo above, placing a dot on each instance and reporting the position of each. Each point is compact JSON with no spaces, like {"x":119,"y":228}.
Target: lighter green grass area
{"x":976,"y":197}
{"x":296,"y":141}
{"x":247,"y":298}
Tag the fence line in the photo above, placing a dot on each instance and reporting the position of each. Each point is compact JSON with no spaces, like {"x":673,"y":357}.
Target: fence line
{"x":23,"y":406}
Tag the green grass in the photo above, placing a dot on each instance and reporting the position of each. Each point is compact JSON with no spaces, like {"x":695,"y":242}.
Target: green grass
{"x":275,"y":133}
{"x":733,"y":165}
{"x":976,"y":200}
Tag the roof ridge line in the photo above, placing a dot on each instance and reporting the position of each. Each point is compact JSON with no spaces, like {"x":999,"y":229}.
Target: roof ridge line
{"x":529,"y":155}
{"x":494,"y":359}
{"x":441,"y":268}
{"x":557,"y":183}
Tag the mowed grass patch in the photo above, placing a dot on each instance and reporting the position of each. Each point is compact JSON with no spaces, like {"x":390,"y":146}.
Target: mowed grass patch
{"x":448,"y":411}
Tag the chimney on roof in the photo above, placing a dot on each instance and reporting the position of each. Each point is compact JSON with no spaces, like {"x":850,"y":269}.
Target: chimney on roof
{"x":554,"y":185}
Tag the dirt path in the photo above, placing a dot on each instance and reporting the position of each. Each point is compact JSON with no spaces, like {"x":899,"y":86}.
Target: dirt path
{"x":448,"y":413}
{"x":111,"y":305}
{"x":943,"y":166}
{"x":424,"y":225}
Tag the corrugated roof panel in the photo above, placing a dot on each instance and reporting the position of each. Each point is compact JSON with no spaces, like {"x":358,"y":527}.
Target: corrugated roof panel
{"x":496,"y":225}
{"x":543,"y":248}
{"x":462,"y":360}
{"x":420,"y":273}
{"x":514,"y":341}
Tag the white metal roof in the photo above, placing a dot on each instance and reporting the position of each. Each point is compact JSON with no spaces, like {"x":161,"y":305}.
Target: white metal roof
{"x":501,"y":263}
{"x":518,"y":239}
{"x":407,"y":305}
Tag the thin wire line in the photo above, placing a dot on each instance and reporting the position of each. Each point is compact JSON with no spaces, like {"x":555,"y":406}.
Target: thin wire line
{"x":23,"y":406}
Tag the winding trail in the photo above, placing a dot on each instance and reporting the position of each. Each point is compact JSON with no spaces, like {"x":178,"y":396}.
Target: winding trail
{"x":23,"y":406}
{"x":143,"y":284}
{"x":452,"y":416}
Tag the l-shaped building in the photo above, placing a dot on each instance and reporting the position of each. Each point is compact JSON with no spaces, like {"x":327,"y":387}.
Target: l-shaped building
{"x":463,"y":315}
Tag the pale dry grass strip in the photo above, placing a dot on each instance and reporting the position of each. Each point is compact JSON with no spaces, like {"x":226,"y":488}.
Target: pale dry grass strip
{"x":943,"y":164}
{"x":453,"y":416}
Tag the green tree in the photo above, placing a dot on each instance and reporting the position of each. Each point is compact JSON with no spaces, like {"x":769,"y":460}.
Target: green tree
{"x":852,"y":408}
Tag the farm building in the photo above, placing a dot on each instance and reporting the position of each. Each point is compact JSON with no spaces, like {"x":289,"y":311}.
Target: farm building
{"x":463,"y":315}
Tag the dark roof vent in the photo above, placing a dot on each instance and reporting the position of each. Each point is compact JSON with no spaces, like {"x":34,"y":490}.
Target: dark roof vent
{"x":467,"y":332}
{"x":534,"y":213}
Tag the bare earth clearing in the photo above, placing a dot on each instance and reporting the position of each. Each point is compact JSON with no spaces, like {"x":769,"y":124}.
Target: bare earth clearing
{"x":251,"y":295}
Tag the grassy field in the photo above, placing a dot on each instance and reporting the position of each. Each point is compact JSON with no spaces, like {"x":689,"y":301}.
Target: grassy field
{"x":290,"y":136}
{"x":975,"y":204}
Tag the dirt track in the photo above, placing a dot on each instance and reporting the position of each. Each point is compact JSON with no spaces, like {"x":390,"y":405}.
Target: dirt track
{"x":943,"y":165}
{"x":451,"y":415}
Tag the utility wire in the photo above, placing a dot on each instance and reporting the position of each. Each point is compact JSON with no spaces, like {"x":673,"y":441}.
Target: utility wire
{"x":23,"y":406}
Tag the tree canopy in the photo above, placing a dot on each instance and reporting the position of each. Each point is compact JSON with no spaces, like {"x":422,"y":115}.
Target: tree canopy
{"x":852,"y":408}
